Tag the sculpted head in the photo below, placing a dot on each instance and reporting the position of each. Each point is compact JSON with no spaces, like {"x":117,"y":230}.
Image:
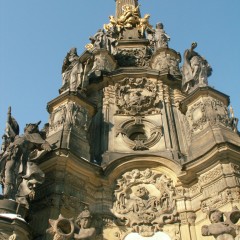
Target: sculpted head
{"x":159,"y":26}
{"x":84,"y":218}
{"x":32,"y":128}
{"x":216,"y":216}
{"x":141,"y":192}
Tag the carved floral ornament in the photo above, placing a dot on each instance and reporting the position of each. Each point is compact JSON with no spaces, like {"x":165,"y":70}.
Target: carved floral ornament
{"x":139,"y":134}
{"x":137,"y":96}
{"x":145,"y":201}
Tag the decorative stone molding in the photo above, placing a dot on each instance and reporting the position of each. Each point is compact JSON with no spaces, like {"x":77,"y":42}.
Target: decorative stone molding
{"x":145,"y":201}
{"x":137,"y":96}
{"x":211,"y":175}
{"x":139,"y":134}
{"x":187,"y":218}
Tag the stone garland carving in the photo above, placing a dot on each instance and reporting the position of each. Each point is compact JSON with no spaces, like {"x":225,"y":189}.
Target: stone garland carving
{"x":137,"y":96}
{"x":195,"y":70}
{"x":65,"y":228}
{"x":133,"y":57}
{"x":222,"y":229}
{"x":139,"y":134}
{"x":145,"y":201}
{"x":67,"y":116}
{"x":19,"y":173}
{"x":166,"y":62}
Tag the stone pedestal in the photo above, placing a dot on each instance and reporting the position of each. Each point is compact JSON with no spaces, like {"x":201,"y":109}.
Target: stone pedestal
{"x":12,"y":222}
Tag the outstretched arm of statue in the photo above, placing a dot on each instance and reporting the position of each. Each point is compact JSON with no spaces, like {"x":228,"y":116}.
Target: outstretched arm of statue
{"x":46,"y":146}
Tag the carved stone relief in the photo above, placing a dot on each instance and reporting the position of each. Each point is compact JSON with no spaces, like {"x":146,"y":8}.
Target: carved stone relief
{"x":66,"y":228}
{"x":145,"y":201}
{"x":218,"y":200}
{"x":68,"y":116}
{"x":103,"y":62}
{"x":210,"y":175}
{"x":139,"y":134}
{"x":196,"y":116}
{"x":133,"y":57}
{"x":211,"y":111}
{"x":166,"y":61}
{"x":137,"y":96}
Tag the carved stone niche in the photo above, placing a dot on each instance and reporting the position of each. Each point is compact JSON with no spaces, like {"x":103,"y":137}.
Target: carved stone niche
{"x":137,"y":96}
{"x":139,"y":134}
{"x":166,"y":61}
{"x":145,"y":201}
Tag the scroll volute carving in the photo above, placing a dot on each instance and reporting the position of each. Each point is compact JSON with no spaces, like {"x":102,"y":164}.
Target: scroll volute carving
{"x":145,"y":201}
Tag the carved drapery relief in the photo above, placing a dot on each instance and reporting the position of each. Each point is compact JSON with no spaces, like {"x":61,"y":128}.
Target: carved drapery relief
{"x":133,"y":57}
{"x":137,"y":96}
{"x":145,"y":201}
{"x":68,"y":116}
{"x":139,"y":134}
{"x":166,"y":61}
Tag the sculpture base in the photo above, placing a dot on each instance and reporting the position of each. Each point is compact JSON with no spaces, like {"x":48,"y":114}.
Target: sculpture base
{"x":12,"y":222}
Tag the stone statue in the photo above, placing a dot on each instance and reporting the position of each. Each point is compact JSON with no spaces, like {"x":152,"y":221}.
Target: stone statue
{"x":72,"y":71}
{"x":220,"y":229}
{"x":160,"y":37}
{"x":195,"y":70}
{"x":105,"y":40}
{"x":84,"y":222}
{"x":16,"y":170}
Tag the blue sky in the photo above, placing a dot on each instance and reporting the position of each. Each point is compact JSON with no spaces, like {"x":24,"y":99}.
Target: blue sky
{"x":36,"y":35}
